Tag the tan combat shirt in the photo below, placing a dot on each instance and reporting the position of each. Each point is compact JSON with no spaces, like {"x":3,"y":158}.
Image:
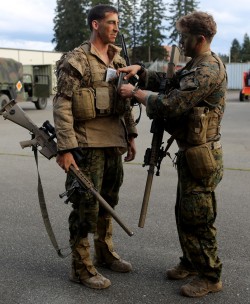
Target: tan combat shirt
{"x":99,"y":132}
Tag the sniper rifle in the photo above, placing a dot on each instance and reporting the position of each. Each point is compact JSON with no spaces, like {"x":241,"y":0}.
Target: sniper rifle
{"x":43,"y":138}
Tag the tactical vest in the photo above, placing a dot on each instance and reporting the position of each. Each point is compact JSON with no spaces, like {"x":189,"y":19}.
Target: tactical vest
{"x":96,"y":97}
{"x":203,"y":121}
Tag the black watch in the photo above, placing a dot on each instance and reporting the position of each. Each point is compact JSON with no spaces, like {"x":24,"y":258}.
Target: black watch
{"x":142,"y":69}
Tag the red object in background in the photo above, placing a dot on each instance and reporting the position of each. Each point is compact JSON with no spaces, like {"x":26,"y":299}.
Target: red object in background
{"x":245,"y":92}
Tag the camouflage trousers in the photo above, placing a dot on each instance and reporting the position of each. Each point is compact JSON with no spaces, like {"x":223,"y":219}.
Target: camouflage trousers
{"x":195,"y":212}
{"x":103,"y":167}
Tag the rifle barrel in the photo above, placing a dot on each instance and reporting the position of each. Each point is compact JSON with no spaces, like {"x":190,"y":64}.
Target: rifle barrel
{"x":85,"y":183}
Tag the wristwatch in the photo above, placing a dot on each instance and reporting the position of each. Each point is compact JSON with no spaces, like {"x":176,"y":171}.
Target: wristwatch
{"x":135,"y":89}
{"x":142,"y":69}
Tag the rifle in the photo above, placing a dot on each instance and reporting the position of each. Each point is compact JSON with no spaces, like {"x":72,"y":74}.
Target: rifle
{"x":133,"y":80}
{"x":44,"y":138}
{"x":154,"y":155}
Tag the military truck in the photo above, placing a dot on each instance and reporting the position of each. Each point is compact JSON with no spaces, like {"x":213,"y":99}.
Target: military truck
{"x":15,"y":84}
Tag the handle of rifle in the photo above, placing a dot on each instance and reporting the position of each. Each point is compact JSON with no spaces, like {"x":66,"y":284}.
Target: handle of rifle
{"x":147,"y":191}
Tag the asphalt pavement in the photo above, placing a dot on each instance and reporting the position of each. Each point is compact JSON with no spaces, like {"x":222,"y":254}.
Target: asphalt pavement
{"x":32,"y":273}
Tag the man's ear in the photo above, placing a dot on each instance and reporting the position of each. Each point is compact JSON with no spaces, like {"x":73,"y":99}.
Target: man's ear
{"x":95,"y":24}
{"x":201,"y":38}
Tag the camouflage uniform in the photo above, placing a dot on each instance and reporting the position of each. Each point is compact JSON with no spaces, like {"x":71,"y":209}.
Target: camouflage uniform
{"x":101,"y":138}
{"x":202,"y":82}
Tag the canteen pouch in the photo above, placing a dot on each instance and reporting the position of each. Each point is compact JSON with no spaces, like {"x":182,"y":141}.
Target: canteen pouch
{"x":83,"y":104}
{"x":197,"y":126}
{"x":200,"y":161}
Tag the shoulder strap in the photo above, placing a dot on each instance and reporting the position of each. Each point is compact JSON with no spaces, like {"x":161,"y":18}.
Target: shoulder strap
{"x":45,"y":214}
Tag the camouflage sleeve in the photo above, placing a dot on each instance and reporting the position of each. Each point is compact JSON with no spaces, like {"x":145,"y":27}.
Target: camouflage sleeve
{"x":194,"y":85}
{"x":68,"y":82}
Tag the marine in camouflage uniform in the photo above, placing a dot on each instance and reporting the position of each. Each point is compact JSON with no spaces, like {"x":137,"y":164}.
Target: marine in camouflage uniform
{"x":93,"y":120}
{"x":192,"y":110}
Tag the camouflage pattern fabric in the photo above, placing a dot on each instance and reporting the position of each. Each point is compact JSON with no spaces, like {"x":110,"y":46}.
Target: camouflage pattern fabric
{"x":202,"y":82}
{"x":196,"y":210}
{"x":104,"y":168}
{"x":202,"y":78}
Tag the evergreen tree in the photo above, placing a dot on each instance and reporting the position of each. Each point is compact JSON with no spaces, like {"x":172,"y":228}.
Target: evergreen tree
{"x":224,"y":58}
{"x":245,"y":49}
{"x":95,"y":2}
{"x":128,"y":17}
{"x":177,"y":9}
{"x":70,"y":27}
{"x":235,"y":51}
{"x":151,"y":30}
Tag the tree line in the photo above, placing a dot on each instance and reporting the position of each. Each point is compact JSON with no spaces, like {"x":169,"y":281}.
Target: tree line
{"x":145,"y":24}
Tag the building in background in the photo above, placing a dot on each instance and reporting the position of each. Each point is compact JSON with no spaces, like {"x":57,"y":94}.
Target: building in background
{"x":43,"y":62}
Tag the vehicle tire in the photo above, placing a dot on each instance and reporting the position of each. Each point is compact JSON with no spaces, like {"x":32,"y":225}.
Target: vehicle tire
{"x":242,"y":96}
{"x":4,"y":99}
{"x":41,"y":103}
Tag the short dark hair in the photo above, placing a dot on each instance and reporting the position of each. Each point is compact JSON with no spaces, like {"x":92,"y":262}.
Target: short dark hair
{"x":198,"y":23}
{"x":98,"y":13}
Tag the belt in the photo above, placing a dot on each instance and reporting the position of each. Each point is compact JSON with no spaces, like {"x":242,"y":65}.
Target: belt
{"x":213,"y":145}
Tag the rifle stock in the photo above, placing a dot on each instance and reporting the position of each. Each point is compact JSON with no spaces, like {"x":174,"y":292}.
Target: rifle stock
{"x":154,"y":155}
{"x":44,"y":138}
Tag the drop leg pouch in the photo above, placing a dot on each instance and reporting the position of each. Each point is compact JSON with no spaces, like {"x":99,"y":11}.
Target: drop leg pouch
{"x":200,"y":161}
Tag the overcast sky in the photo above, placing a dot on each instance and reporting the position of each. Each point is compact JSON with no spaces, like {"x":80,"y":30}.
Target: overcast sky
{"x":28,"y":24}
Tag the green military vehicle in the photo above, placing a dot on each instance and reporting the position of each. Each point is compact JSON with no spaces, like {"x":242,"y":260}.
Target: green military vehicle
{"x":15,"y":84}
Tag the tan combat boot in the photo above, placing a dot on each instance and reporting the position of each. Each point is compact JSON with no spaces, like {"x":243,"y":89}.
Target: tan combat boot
{"x":83,"y":271}
{"x":199,"y":287}
{"x":105,"y":256}
{"x":180,"y":272}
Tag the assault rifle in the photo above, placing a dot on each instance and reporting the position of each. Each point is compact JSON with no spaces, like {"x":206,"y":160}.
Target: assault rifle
{"x":133,"y":80}
{"x":44,"y":139}
{"x":154,"y":155}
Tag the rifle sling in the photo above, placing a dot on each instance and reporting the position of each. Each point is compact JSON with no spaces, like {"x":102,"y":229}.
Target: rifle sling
{"x":44,"y":212}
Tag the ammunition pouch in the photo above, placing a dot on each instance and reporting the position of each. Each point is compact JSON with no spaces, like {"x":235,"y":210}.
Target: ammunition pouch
{"x":214,"y":119}
{"x":103,"y":101}
{"x":106,"y":100}
{"x":100,"y":100}
{"x":83,"y":104}
{"x":200,"y":161}
{"x":197,"y":126}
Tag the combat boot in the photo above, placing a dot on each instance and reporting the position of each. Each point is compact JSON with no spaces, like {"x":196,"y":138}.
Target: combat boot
{"x":180,"y":272}
{"x":83,"y":270}
{"x":105,"y":256}
{"x":199,"y":287}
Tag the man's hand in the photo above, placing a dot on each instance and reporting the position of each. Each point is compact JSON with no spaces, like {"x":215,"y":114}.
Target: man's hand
{"x":130,"y":70}
{"x":65,"y":160}
{"x":126,"y":90}
{"x":131,"y":150}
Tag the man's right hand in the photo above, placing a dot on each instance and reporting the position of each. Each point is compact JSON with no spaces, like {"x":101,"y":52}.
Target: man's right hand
{"x":65,"y":160}
{"x":130,"y":70}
